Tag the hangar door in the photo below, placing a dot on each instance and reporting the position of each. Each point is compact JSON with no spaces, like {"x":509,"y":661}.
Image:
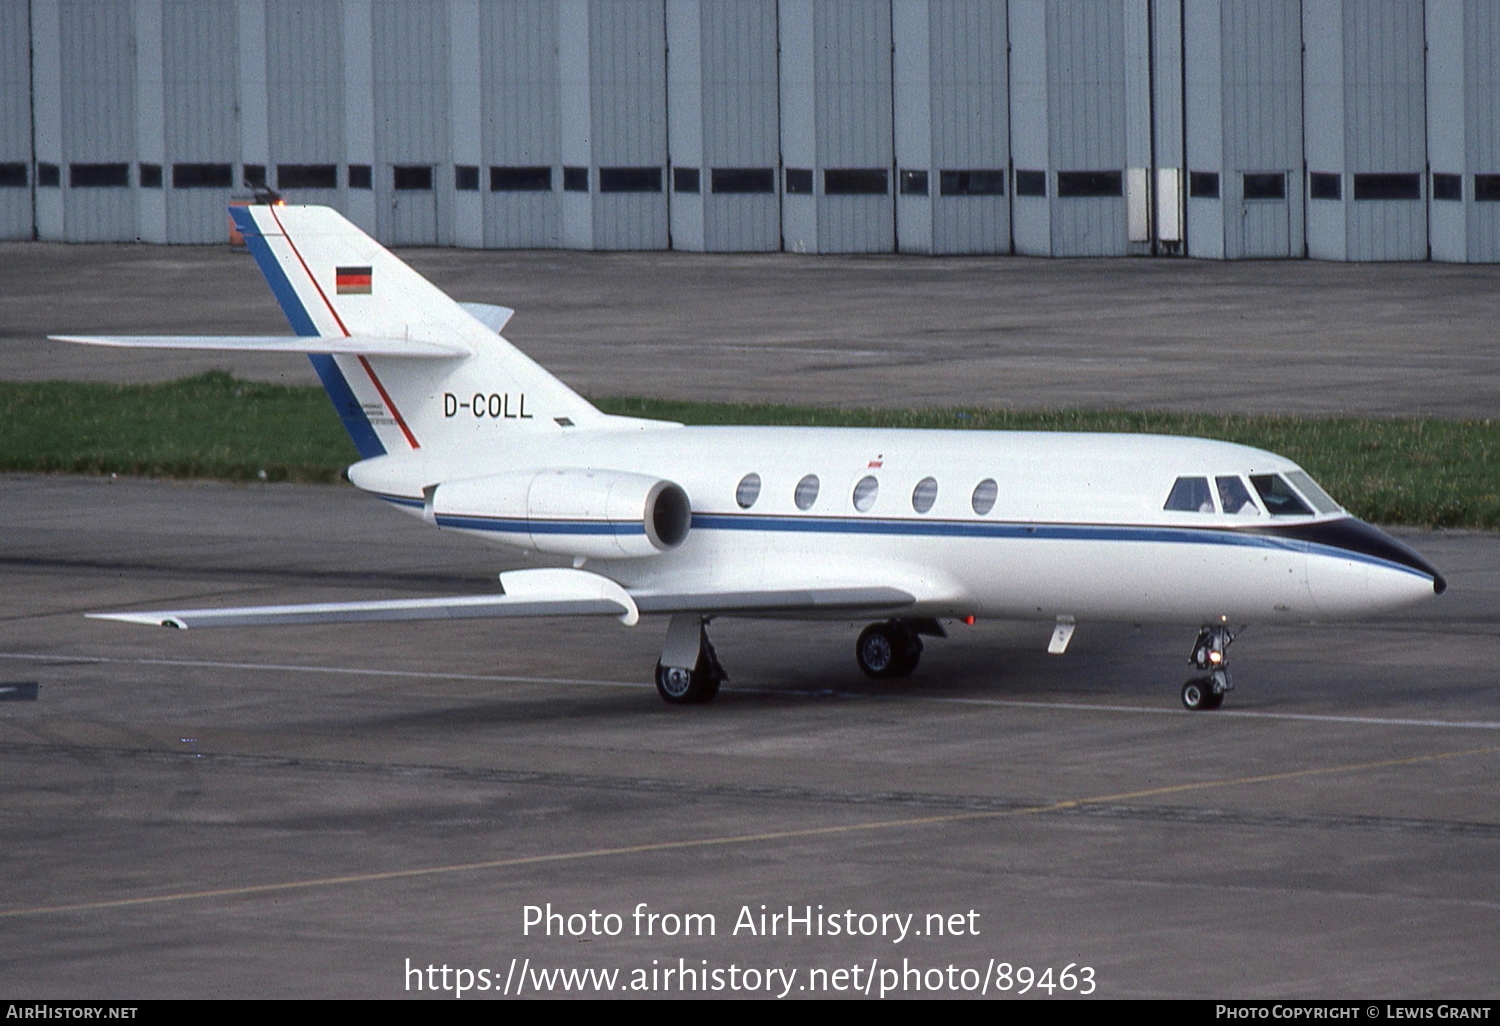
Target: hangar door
{"x":1157,"y":127}
{"x":1096,"y":130}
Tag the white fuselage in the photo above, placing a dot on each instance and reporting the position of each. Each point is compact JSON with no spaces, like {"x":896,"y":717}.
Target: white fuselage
{"x":903,"y":527}
{"x":1076,"y":527}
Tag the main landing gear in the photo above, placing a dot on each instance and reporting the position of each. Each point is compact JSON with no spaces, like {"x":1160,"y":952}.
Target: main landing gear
{"x":689,"y":670}
{"x":1210,"y":652}
{"x":894,"y":647}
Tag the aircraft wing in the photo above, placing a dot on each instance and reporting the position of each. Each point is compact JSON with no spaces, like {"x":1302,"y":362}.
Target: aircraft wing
{"x":542,"y":592}
{"x":356,"y":345}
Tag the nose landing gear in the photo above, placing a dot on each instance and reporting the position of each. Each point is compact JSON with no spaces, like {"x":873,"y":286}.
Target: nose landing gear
{"x":1210,"y":652}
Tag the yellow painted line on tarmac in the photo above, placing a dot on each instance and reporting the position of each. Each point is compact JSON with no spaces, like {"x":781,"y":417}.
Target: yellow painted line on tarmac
{"x":731,"y":839}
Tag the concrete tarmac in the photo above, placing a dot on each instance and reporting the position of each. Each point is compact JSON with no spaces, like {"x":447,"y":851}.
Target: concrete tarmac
{"x":1294,"y":337}
{"x":329,"y":811}
{"x":313,"y":811}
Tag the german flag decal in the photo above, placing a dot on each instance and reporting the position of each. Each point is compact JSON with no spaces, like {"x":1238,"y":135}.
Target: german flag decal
{"x":352,"y":281}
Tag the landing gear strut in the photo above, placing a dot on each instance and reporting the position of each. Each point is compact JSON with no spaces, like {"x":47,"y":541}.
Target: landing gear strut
{"x":1210,"y":652}
{"x":689,"y":669}
{"x":893,"y":648}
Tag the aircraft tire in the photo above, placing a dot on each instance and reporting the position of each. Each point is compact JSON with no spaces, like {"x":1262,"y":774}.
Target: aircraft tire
{"x":1198,"y":695}
{"x":679,"y":686}
{"x":888,"y":649}
{"x":906,"y":664}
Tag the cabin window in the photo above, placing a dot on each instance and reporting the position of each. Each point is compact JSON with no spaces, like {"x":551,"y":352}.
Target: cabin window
{"x":924,"y":495}
{"x":984,"y":496}
{"x":865,"y":492}
{"x":1234,"y":497}
{"x":1190,"y":495}
{"x":1321,"y":500}
{"x":748,"y":491}
{"x":1279,"y":499}
{"x":807,"y":492}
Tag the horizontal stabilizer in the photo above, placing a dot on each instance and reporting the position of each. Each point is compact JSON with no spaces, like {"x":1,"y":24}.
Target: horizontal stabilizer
{"x":527,"y":593}
{"x":493,"y":317}
{"x":357,"y":345}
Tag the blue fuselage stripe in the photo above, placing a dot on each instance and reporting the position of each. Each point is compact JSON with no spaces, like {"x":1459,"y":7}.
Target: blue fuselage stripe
{"x":929,"y":530}
{"x":867,"y":526}
{"x":401,"y":500}
{"x":1038,"y":531}
{"x":512,"y":525}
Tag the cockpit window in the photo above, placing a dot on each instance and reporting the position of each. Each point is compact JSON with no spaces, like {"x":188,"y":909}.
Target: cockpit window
{"x":1321,"y":500}
{"x":1234,"y":497}
{"x":1190,"y":495}
{"x":1279,"y":499}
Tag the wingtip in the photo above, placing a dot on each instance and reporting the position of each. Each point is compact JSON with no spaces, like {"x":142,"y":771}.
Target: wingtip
{"x":144,"y":619}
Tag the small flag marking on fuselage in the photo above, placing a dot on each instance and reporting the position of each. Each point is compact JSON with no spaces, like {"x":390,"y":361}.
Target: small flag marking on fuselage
{"x":352,"y":281}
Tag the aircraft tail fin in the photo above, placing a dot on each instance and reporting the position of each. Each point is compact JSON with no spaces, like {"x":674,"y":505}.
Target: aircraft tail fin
{"x":335,"y":282}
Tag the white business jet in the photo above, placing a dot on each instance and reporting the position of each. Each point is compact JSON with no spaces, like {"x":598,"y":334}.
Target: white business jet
{"x":622,"y":517}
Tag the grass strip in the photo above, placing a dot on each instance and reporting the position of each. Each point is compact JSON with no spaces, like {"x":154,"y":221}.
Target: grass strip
{"x":206,"y":426}
{"x":1434,"y":473}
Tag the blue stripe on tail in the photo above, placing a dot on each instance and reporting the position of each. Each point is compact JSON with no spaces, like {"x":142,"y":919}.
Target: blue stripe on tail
{"x":344,"y":402}
{"x":348,"y":407}
{"x":281,"y":288}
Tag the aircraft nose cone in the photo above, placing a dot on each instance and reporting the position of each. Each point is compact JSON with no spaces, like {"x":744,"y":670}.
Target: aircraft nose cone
{"x":1355,"y":568}
{"x":1372,"y":541}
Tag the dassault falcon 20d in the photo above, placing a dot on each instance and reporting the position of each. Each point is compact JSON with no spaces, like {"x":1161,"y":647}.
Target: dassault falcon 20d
{"x":618,"y":516}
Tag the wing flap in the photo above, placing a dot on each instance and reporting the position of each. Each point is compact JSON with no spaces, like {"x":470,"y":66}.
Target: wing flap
{"x":788,"y":600}
{"x":357,"y":345}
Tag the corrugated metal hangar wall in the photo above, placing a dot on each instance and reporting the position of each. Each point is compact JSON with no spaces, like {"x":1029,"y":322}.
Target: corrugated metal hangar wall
{"x":1336,"y":129}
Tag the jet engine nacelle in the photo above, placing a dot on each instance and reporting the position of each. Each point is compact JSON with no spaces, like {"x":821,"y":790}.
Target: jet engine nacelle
{"x":601,"y":514}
